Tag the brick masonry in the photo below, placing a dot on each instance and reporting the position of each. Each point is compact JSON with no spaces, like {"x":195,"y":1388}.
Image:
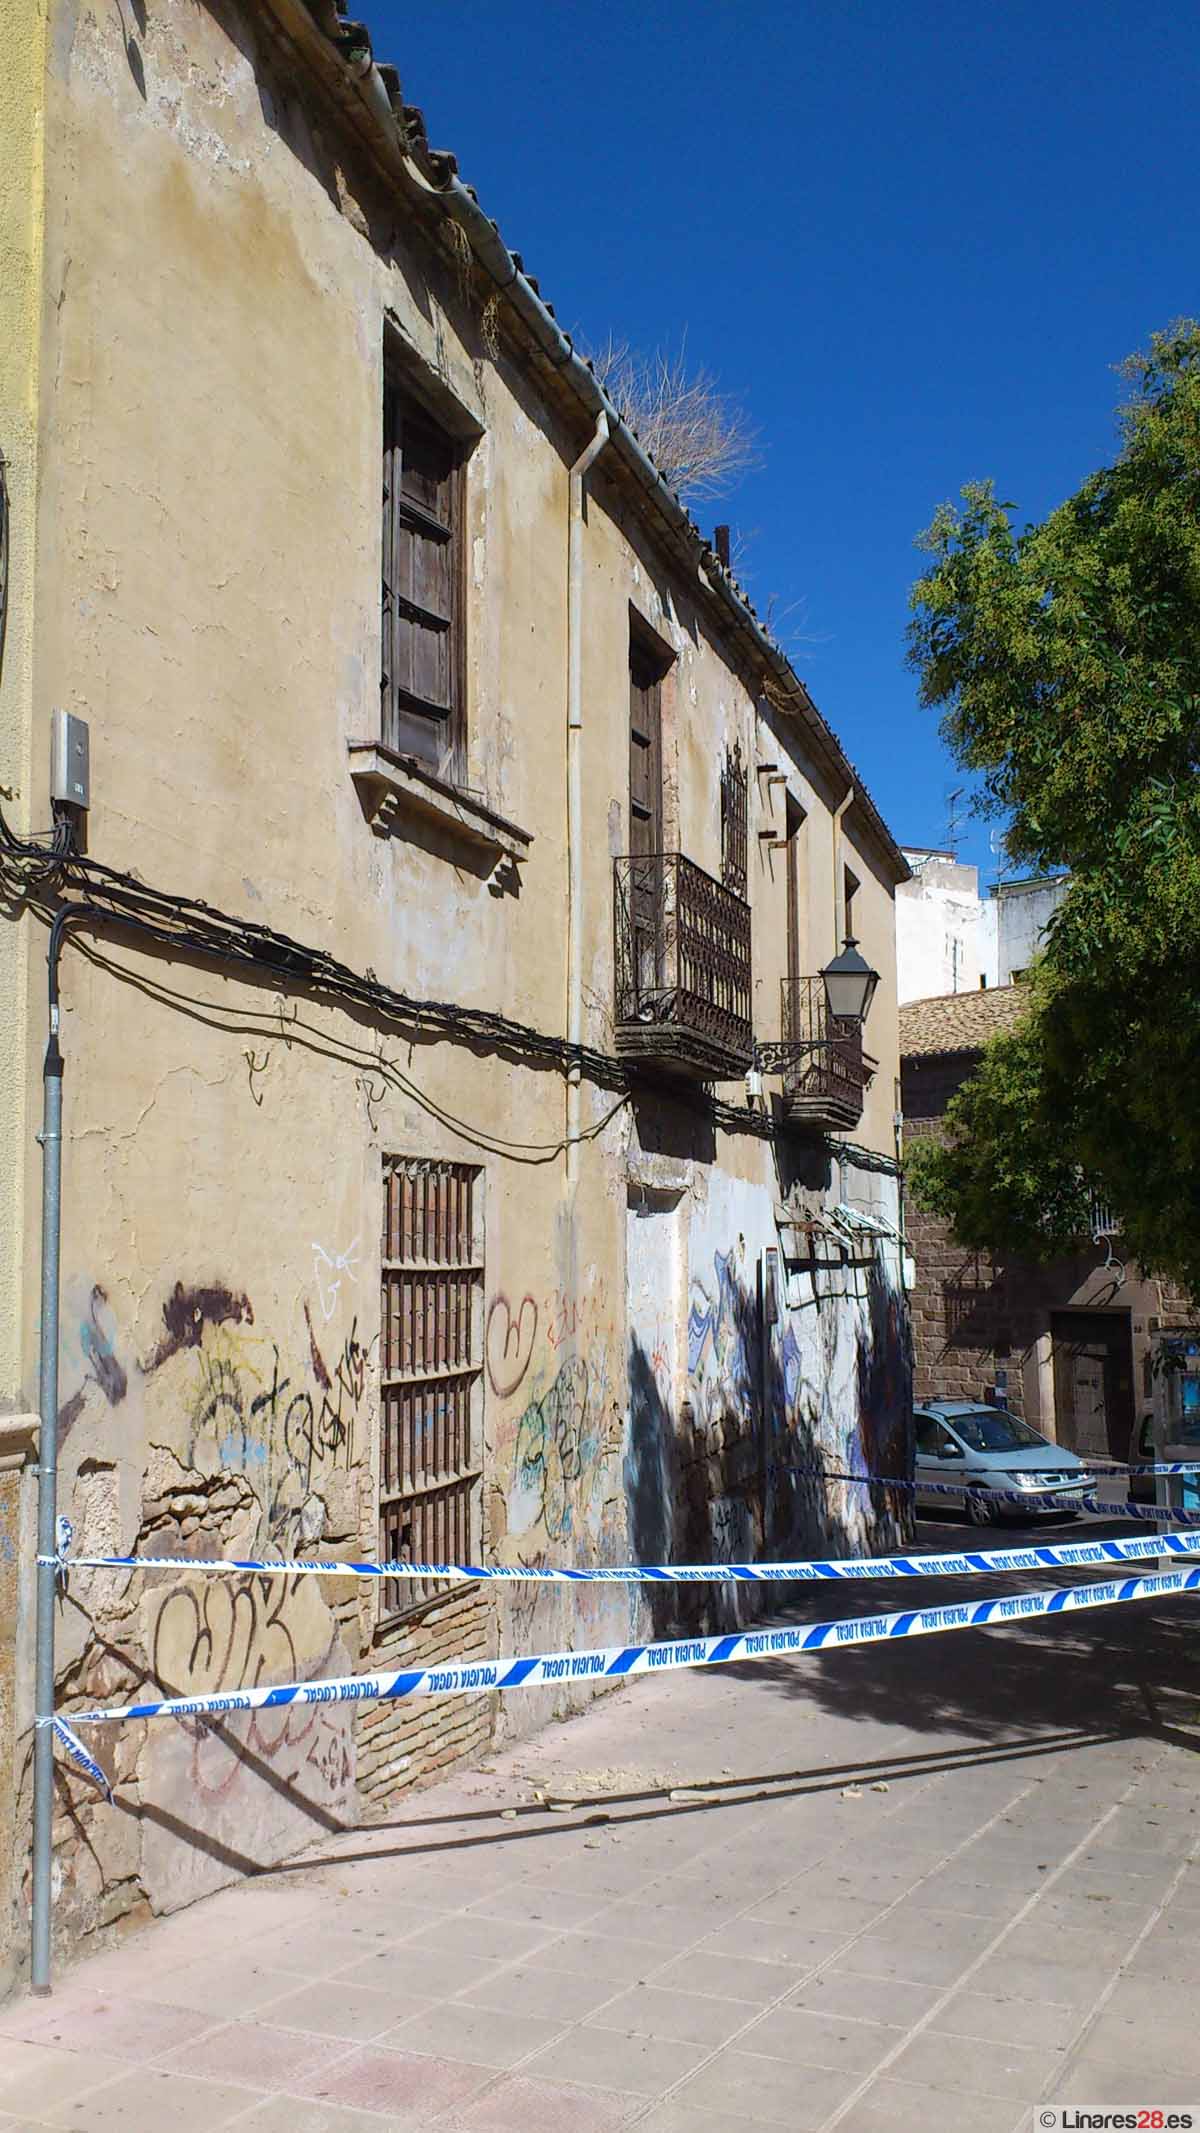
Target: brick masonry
{"x":400,"y":1744}
{"x":983,"y":1323}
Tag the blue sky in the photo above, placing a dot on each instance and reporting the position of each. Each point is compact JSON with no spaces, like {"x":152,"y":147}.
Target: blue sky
{"x":913,"y":240}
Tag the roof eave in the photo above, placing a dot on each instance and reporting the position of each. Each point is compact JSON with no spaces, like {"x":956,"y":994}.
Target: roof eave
{"x":340,"y":54}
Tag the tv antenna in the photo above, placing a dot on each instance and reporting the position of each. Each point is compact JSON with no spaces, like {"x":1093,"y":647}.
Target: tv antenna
{"x":999,"y":851}
{"x":954,"y":816}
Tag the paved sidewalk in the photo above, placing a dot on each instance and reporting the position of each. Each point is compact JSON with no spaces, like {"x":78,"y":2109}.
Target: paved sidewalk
{"x":924,"y":1885}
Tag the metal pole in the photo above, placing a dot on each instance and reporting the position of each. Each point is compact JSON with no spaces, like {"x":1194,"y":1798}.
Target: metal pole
{"x":43,"y":1738}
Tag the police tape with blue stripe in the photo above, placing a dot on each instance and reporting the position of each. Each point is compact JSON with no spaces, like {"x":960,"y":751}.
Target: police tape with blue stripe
{"x":1035,"y":1556}
{"x":1113,"y":1467}
{"x":1074,"y":1496}
{"x":547,"y":1669}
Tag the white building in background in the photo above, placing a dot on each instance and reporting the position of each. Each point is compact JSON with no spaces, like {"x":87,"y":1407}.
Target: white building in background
{"x":939,"y":927}
{"x":950,"y":939}
{"x":1015,"y":917}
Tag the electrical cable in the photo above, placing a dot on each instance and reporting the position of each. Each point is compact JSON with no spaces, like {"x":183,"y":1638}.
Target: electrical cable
{"x":36,"y":858}
{"x":110,"y":898}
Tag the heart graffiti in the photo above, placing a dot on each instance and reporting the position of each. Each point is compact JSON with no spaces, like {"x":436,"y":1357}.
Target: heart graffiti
{"x":509,"y":1343}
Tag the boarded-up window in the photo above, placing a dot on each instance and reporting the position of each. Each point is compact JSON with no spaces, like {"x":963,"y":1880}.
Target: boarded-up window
{"x":431,"y":1337}
{"x":421,"y":673}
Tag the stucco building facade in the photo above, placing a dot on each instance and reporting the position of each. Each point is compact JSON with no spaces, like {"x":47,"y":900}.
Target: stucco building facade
{"x":415,"y":1199}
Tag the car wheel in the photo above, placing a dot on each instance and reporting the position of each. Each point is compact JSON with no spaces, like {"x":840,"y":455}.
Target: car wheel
{"x":979,"y":1511}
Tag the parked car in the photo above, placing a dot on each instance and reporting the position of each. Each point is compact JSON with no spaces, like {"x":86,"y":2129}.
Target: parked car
{"x":986,"y":1448}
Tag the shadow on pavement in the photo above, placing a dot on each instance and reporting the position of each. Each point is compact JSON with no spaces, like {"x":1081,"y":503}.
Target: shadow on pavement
{"x":1130,"y":1669}
{"x":726,"y":1793}
{"x":1032,"y":1689}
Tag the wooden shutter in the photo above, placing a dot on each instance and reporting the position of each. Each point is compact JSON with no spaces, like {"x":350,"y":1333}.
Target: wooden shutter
{"x":795,"y":824}
{"x":421,"y":584}
{"x":645,"y":754}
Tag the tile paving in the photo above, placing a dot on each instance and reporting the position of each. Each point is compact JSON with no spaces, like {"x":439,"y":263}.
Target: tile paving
{"x":916,"y":1890}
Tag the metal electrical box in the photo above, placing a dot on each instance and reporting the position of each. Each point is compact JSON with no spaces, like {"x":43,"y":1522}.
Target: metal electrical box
{"x":70,"y":774}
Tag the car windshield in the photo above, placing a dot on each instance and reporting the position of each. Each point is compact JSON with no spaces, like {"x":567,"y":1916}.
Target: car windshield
{"x":989,"y":1429}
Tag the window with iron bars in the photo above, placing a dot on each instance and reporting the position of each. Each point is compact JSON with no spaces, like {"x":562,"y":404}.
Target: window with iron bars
{"x":734,"y":831}
{"x":431,"y":1355}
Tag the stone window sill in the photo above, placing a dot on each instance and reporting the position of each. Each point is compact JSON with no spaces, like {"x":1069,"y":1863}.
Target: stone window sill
{"x":392,"y":787}
{"x":19,"y":1436}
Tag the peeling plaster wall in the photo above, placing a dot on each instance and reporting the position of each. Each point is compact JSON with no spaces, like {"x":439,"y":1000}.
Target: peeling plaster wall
{"x":207,"y":596}
{"x":735,"y":1417}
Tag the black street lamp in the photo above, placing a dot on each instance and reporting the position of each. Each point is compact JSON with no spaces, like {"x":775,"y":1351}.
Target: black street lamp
{"x":849,"y":984}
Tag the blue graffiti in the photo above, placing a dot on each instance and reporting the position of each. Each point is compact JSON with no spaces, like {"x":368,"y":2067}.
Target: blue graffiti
{"x":238,"y":1450}
{"x":721,"y":1338}
{"x":792,"y":1369}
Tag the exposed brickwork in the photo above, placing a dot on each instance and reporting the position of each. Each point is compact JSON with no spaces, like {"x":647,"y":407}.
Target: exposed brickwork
{"x":404,"y":1744}
{"x":975,"y":1315}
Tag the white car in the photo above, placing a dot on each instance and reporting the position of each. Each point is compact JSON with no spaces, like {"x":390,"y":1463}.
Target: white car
{"x":985,"y":1450}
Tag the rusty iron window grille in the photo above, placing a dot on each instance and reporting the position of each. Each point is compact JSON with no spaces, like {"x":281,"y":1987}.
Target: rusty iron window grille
{"x":734,"y":817}
{"x":431,"y":1357}
{"x":421,"y":668}
{"x":682,"y":950}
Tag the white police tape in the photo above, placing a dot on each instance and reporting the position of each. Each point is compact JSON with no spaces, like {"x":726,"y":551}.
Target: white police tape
{"x":1039,"y":1556}
{"x":1114,"y":1467}
{"x":1144,"y":1510}
{"x":76,"y":1750}
{"x":546,"y":1669}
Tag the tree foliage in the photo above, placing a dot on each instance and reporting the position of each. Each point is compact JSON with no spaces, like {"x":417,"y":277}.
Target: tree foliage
{"x":1065,"y":660}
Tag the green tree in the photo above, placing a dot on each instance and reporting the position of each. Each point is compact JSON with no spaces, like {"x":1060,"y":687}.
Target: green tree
{"x":1065,"y":660}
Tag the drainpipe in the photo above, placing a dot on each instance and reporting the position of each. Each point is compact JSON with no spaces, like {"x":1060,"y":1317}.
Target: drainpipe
{"x":579,"y":474}
{"x":47,"y":1473}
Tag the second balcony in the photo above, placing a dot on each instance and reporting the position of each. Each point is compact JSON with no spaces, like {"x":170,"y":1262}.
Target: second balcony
{"x":825,"y":1069}
{"x":682,"y":968}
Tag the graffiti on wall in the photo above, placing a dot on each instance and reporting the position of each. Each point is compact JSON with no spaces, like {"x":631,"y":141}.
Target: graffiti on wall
{"x":96,"y":1360}
{"x":187,"y":1312}
{"x":562,"y":1439}
{"x":248,"y":1413}
{"x":330,"y":1270}
{"x":564,"y":1442}
{"x":722,"y":1345}
{"x":838,"y":1403}
{"x":509,"y":1343}
{"x":246,"y":1789}
{"x":240,"y":1633}
{"x":228,"y":1400}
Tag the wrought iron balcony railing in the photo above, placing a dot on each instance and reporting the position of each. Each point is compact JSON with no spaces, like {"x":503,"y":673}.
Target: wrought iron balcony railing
{"x":825,"y":1070}
{"x":682,"y":967}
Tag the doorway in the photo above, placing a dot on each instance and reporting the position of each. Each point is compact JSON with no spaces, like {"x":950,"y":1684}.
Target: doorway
{"x":1093,"y":1381}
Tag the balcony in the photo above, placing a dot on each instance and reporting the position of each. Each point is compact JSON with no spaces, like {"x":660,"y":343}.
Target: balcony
{"x":825,"y":1070}
{"x":682,"y":968}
